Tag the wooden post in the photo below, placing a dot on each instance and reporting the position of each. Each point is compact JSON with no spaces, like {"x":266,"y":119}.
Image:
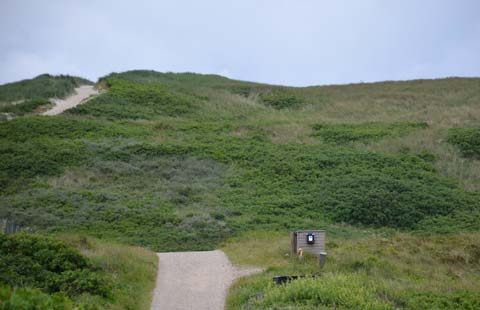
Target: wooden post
{"x":293,"y":236}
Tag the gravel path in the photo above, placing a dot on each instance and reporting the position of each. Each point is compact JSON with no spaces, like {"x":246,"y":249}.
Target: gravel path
{"x":194,"y":280}
{"x":81,"y":94}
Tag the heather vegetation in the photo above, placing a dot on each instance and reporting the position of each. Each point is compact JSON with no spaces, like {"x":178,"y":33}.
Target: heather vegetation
{"x":49,"y":265}
{"x":130,"y":100}
{"x":32,"y":96}
{"x":364,"y":132}
{"x":43,"y":86}
{"x":176,"y":162}
{"x":45,"y":273}
{"x":467,"y":140}
{"x":25,"y":107}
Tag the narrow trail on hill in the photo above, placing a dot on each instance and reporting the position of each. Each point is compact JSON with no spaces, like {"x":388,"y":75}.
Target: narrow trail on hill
{"x":81,"y":95}
{"x":194,"y":280}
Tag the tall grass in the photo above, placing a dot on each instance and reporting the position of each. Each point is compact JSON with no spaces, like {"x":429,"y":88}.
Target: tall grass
{"x":132,"y":270}
{"x":380,"y":271}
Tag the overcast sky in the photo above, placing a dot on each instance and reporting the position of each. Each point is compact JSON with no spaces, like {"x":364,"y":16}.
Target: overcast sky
{"x":297,"y":42}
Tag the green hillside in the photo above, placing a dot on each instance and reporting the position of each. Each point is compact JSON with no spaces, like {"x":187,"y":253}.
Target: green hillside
{"x":42,"y":86}
{"x":31,"y":95}
{"x":186,"y":161}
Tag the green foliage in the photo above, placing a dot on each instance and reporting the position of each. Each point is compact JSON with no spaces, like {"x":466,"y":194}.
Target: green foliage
{"x":47,"y":264}
{"x":130,"y":100}
{"x":31,"y":128}
{"x":179,"y":196}
{"x":281,"y":100}
{"x":330,"y":291}
{"x":241,"y":90}
{"x":31,"y":299}
{"x":25,"y":107}
{"x":365,"y":270}
{"x":381,"y":200}
{"x":21,"y":162}
{"x":467,"y":140}
{"x":132,"y":271}
{"x":365,"y":132}
{"x":184,"y":164}
{"x":36,"y":146}
{"x":43,"y":86}
{"x":465,"y":300}
{"x":150,"y":76}
{"x":101,"y":196}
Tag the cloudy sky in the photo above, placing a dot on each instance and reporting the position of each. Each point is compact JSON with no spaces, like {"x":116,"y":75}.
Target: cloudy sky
{"x":297,"y":42}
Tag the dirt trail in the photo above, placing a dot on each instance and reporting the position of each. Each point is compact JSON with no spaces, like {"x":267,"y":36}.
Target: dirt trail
{"x":81,"y":94}
{"x":194,"y":280}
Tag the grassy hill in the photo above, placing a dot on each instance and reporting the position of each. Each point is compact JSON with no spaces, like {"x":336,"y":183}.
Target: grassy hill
{"x":187,"y":161}
{"x":32,"y":95}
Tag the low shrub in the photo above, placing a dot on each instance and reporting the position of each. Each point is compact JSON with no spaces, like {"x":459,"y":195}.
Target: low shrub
{"x":43,"y":86}
{"x":465,"y":300}
{"x":25,"y":107}
{"x":241,"y":90}
{"x":20,"y":162}
{"x":29,"y":128}
{"x":365,"y":132}
{"x":332,"y":291}
{"x":382,"y":200}
{"x":47,"y":264}
{"x":281,"y":100}
{"x":129,"y":100}
{"x":467,"y":140}
{"x":27,"y":298}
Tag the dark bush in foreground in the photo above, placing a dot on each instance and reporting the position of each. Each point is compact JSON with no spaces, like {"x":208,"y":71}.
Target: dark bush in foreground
{"x":25,"y":298}
{"x":47,"y":264}
{"x":467,"y":140}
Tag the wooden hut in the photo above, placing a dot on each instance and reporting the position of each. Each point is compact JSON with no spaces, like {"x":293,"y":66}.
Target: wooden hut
{"x":310,"y":241}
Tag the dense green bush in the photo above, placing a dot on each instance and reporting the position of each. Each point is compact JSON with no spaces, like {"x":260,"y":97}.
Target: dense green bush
{"x":465,"y":300}
{"x":241,"y":90}
{"x":20,"y":162}
{"x":25,"y":107}
{"x":49,"y":265}
{"x":131,"y":191}
{"x":331,"y":291}
{"x":31,"y":299}
{"x":30,"y":128}
{"x":365,"y":132}
{"x":36,"y":146}
{"x":383,"y":200}
{"x":154,"y":77}
{"x":281,"y":100}
{"x":129,"y":100}
{"x":467,"y":140}
{"x":43,"y":86}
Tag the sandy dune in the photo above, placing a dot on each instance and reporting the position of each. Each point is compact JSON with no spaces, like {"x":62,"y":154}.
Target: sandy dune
{"x":81,"y":95}
{"x":194,"y":280}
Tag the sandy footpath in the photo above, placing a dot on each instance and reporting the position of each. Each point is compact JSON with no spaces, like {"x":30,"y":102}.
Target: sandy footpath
{"x":194,"y":280}
{"x":81,"y":94}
